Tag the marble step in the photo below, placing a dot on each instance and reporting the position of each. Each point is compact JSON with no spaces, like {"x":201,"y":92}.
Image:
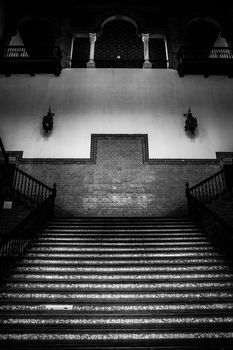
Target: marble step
{"x":42,"y":243}
{"x":114,"y":239}
{"x":117,"y":337}
{"x":132,"y":277}
{"x":124,"y":230}
{"x":65,"y":296}
{"x":149,"y":262}
{"x":128,"y":269}
{"x":102,"y":285}
{"x":153,"y":322}
{"x":118,"y":219}
{"x":130,"y":249}
{"x":51,"y":254}
{"x":122,"y":227}
{"x":118,"y":307}
{"x":135,"y":235}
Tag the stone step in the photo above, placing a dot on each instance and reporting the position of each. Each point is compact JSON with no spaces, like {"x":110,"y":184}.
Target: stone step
{"x":135,"y":235}
{"x":123,"y":230}
{"x":42,"y":242}
{"x":99,"y":261}
{"x":110,"y":256}
{"x":143,"y":276}
{"x":112,"y":321}
{"x":102,"y":238}
{"x":118,"y":219}
{"x":61,"y":296}
{"x":126,"y":245}
{"x":131,"y":249}
{"x":127,"y":269}
{"x":131,"y":227}
{"x":118,"y":307}
{"x":102,"y":285}
{"x":118,"y":337}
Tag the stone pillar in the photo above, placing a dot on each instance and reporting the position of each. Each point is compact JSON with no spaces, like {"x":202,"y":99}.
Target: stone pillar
{"x":145,"y":39}
{"x":91,"y":62}
{"x":166,"y":50}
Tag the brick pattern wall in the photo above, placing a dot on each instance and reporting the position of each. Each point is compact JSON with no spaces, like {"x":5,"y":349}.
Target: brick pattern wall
{"x":119,"y":179}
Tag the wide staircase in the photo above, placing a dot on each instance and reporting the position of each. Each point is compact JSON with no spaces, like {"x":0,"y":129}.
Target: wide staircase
{"x":119,"y":283}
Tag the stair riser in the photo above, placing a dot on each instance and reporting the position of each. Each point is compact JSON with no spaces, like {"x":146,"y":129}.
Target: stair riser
{"x":149,"y":262}
{"x":144,"y":322}
{"x":123,"y":255}
{"x":121,"y":286}
{"x":135,"y":297}
{"x":141,"y":270}
{"x":119,"y":307}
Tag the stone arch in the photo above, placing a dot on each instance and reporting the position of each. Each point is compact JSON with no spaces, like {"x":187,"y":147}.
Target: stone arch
{"x":201,"y":32}
{"x":119,"y":45}
{"x":119,"y":18}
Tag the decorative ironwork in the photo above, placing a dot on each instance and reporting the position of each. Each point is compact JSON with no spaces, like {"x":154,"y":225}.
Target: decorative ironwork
{"x":217,"y":60}
{"x":42,"y":197}
{"x":48,"y":121}
{"x":30,"y":59}
{"x":190,"y":123}
{"x":215,"y":227}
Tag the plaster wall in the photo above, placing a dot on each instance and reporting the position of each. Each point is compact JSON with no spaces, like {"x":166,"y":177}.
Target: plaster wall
{"x":116,"y":101}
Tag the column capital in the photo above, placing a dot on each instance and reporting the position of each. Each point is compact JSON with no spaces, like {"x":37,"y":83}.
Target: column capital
{"x":145,"y":37}
{"x":92,"y":37}
{"x":91,"y":62}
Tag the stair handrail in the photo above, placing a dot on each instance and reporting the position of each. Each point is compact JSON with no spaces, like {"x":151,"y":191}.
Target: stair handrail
{"x":210,"y":188}
{"x":214,"y":226}
{"x":29,"y":187}
{"x":13,"y":245}
{"x":4,"y":153}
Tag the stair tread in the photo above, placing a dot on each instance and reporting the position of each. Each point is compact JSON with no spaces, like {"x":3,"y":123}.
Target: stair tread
{"x":133,"y":282}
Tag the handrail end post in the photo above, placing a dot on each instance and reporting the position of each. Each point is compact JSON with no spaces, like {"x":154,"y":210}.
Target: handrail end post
{"x":54,"y":191}
{"x":187,"y":189}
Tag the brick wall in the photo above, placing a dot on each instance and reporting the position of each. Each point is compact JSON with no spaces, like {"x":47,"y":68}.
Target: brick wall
{"x":119,"y":179}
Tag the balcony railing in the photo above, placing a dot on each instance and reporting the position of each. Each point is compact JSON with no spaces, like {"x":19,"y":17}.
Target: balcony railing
{"x":217,"y":60}
{"x":30,"y":59}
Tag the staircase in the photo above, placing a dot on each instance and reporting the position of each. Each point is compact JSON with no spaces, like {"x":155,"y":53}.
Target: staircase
{"x":119,"y":283}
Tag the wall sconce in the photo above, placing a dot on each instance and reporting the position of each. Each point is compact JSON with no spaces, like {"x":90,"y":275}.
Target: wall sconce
{"x":190,"y":123}
{"x":48,"y":121}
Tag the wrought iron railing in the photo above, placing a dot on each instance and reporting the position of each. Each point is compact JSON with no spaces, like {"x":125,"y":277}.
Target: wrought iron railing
{"x":16,"y":183}
{"x":16,"y":242}
{"x":218,"y":230}
{"x":30,"y":59}
{"x":28,"y":52}
{"x":29,"y":188}
{"x":191,"y":53}
{"x":210,"y":188}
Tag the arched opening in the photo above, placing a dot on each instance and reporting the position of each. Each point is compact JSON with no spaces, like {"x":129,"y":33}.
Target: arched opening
{"x":202,"y":34}
{"x":37,"y":36}
{"x":118,"y":45}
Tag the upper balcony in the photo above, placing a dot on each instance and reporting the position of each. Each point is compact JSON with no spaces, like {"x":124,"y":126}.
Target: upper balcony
{"x":30,"y":60}
{"x":214,"y":61}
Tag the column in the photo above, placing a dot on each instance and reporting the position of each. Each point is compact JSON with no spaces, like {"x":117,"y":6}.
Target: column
{"x":91,"y":62}
{"x":166,"y":50}
{"x":145,"y":39}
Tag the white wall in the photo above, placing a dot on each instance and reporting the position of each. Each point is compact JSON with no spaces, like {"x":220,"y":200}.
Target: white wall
{"x":89,"y":101}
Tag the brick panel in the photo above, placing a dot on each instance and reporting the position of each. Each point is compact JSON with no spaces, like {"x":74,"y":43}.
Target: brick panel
{"x":119,"y":179}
